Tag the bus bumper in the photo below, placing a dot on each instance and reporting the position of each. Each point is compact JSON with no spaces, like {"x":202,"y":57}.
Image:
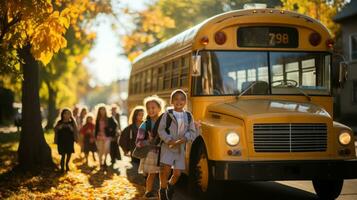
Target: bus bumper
{"x":284,"y":170}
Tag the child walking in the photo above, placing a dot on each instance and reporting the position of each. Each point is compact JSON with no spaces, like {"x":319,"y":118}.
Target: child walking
{"x":87,"y":133}
{"x":80,"y":122}
{"x":105,"y":129}
{"x":128,"y":137}
{"x":65,"y":136}
{"x":180,"y":130}
{"x":147,"y":135}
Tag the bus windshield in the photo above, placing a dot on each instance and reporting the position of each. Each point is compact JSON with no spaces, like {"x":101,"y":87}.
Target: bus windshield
{"x":231,"y":72}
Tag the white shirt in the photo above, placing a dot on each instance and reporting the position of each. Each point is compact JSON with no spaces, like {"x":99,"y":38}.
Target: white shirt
{"x":180,"y":122}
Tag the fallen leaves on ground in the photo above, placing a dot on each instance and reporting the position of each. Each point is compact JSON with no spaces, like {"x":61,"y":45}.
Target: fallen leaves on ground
{"x":81,"y":182}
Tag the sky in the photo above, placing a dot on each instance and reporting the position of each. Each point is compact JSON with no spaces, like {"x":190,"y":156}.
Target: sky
{"x":105,"y":63}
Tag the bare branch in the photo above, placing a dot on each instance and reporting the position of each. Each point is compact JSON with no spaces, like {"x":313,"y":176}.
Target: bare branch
{"x":7,"y":25}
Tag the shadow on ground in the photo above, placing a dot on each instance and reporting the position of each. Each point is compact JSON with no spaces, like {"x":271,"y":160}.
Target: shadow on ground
{"x":97,"y":179}
{"x":13,"y":179}
{"x":8,"y":150}
{"x":247,"y":190}
{"x":133,"y":175}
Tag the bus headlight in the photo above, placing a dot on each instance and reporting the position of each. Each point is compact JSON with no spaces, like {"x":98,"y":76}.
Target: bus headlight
{"x":344,"y":138}
{"x":232,"y":138}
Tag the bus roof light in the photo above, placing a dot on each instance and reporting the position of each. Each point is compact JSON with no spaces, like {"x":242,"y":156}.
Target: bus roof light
{"x":330,"y":43}
{"x":204,"y":40}
{"x":220,"y":38}
{"x":314,"y":39}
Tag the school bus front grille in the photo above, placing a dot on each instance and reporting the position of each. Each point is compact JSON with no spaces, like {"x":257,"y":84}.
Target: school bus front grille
{"x":290,"y":137}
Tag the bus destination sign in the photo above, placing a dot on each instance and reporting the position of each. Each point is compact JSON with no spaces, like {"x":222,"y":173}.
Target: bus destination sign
{"x":268,"y":36}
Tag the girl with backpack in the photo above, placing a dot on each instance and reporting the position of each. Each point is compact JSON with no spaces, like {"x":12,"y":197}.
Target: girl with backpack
{"x":147,"y":136}
{"x":128,"y":136}
{"x":175,"y":129}
{"x":65,"y":136}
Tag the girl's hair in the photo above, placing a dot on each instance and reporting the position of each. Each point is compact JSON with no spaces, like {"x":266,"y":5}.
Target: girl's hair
{"x":176,"y":92}
{"x":114,"y":105}
{"x":100,"y":107}
{"x":84,"y":109}
{"x":159,"y":102}
{"x":134,"y":113}
{"x":89,"y":115}
{"x":75,"y":108}
{"x":61,"y":116}
{"x":154,"y":98}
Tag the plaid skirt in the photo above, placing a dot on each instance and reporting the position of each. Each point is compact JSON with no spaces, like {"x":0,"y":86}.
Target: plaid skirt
{"x":149,"y":164}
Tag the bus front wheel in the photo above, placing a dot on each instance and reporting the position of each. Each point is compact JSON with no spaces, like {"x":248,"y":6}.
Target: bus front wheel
{"x":327,"y":189}
{"x":201,"y":180}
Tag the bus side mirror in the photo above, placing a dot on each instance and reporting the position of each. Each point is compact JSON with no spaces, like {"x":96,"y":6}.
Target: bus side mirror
{"x":342,"y":73}
{"x":196,"y":65}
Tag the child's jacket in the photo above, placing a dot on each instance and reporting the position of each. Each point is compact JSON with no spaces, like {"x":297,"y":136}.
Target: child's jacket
{"x":189,"y":134}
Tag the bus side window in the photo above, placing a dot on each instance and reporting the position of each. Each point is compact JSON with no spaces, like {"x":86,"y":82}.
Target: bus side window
{"x":167,"y":75}
{"x":185,"y":64}
{"x":138,"y":82}
{"x":135,"y":89}
{"x":154,"y":79}
{"x":147,"y":82}
{"x":131,"y":85}
{"x":175,"y":73}
{"x":143,"y":81}
{"x":160,"y":85}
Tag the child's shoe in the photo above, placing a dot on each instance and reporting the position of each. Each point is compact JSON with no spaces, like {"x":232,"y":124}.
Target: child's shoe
{"x":150,"y":195}
{"x":162,"y":194}
{"x":170,"y":191}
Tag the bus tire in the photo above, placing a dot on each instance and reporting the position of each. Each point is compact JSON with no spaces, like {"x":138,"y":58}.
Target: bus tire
{"x":201,"y":182}
{"x":328,"y":189}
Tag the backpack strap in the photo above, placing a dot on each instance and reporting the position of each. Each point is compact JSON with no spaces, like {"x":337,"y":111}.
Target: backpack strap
{"x":157,"y":139}
{"x":189,"y":117}
{"x":147,"y":128}
{"x":156,"y":126}
{"x":131,"y":134}
{"x":168,"y":121}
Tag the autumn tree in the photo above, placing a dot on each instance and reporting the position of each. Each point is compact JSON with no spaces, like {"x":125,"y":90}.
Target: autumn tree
{"x":150,"y":30}
{"x":322,"y":10}
{"x":32,"y":31}
{"x":166,"y":18}
{"x":65,"y":78}
{"x":188,"y":13}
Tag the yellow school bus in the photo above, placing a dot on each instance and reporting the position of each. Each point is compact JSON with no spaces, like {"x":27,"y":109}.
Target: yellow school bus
{"x":260,"y":81}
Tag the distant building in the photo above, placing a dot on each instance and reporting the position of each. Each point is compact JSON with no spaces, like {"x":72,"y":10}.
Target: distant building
{"x":347,"y":99}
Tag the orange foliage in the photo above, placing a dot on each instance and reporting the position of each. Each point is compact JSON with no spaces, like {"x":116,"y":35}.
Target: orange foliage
{"x":323,"y":10}
{"x":82,"y":182}
{"x":43,"y":24}
{"x":149,"y":32}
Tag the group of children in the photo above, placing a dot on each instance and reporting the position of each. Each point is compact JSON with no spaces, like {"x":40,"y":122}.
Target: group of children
{"x":165,"y":132}
{"x":99,"y":136}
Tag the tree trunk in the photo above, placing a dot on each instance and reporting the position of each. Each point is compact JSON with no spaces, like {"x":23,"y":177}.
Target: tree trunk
{"x":33,"y":151}
{"x":51,"y":104}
